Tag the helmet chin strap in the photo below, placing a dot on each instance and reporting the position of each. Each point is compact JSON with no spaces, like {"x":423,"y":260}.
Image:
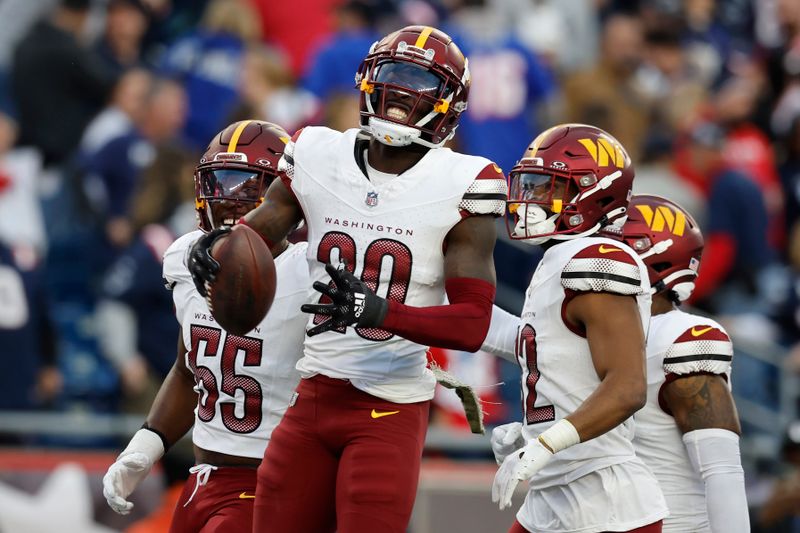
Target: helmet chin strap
{"x":594,"y":229}
{"x":683,"y":289}
{"x":658,"y":248}
{"x":604,"y":183}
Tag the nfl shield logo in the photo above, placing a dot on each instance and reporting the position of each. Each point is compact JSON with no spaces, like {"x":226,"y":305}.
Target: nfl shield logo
{"x":372,"y":199}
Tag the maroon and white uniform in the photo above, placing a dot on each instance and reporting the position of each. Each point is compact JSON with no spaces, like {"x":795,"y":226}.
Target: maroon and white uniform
{"x":244,"y":384}
{"x":349,"y":448}
{"x":392,"y":236}
{"x":678,"y":344}
{"x":600,"y":484}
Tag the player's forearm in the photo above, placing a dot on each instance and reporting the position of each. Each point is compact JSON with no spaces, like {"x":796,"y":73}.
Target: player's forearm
{"x":714,"y":454}
{"x":615,"y":400}
{"x":461,"y":325}
{"x":276,"y":216}
{"x":172,"y":412}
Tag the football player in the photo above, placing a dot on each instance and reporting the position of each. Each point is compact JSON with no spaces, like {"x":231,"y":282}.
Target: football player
{"x":688,"y":432}
{"x":580,"y":343}
{"x":234,"y":389}
{"x":395,"y":221}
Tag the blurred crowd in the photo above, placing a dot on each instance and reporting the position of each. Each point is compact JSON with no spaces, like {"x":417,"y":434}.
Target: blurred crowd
{"x":105,"y":106}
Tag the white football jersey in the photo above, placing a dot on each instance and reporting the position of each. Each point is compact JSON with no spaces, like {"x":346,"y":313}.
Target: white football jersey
{"x":558,"y":375}
{"x":557,"y":369}
{"x":679,"y":343}
{"x":244,"y":383}
{"x":392,"y":236}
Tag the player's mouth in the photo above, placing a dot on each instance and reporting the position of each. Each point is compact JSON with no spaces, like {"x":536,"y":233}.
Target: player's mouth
{"x":396,"y":113}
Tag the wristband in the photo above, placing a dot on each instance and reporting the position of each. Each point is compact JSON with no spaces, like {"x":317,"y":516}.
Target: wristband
{"x":145,"y":441}
{"x":163,"y":437}
{"x":560,"y":436}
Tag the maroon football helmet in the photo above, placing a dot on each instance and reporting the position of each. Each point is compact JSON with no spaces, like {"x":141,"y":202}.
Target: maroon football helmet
{"x":572,"y":181}
{"x":414,"y":84}
{"x":235,"y":171}
{"x":668,"y":240}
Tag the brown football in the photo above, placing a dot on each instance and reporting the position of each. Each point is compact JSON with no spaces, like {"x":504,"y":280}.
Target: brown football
{"x":244,"y":288}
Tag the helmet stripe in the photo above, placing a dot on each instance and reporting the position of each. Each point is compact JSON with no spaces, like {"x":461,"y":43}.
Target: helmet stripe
{"x":423,"y":37}
{"x":236,"y":134}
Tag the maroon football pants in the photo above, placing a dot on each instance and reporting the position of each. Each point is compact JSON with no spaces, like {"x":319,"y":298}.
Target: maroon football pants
{"x":341,"y":460}
{"x":223,"y":504}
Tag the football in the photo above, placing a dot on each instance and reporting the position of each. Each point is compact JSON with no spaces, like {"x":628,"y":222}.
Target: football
{"x":242,"y":293}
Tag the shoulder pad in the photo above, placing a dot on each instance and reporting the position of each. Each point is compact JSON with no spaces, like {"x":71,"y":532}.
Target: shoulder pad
{"x":487,"y":193}
{"x":603,"y":267}
{"x":286,"y":162}
{"x":701,"y":348}
{"x":174,"y":267}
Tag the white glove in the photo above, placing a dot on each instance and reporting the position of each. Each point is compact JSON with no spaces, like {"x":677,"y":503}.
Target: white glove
{"x":506,"y":439}
{"x":130,"y":468}
{"x":519,"y":465}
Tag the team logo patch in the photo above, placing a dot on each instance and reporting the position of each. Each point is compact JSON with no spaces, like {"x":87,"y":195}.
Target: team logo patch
{"x":371,"y":199}
{"x":607,"y":250}
{"x":702,"y":331}
{"x":381,"y":414}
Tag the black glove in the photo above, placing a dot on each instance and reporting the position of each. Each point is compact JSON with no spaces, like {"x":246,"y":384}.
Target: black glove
{"x":353,"y":303}
{"x":201,"y":265}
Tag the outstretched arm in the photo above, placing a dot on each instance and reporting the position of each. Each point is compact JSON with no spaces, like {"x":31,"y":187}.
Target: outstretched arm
{"x":277,"y":215}
{"x":460,"y":325}
{"x":706,"y":415}
{"x":470,"y":285}
{"x":273,"y":220}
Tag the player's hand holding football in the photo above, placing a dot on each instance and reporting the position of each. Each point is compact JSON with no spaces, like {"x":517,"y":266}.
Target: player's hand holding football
{"x":506,"y":439}
{"x":202,"y":266}
{"x":518,"y":466}
{"x":352,"y":303}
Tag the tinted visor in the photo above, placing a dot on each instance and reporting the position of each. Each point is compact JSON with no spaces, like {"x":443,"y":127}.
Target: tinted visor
{"x":409,"y":76}
{"x":531,"y":187}
{"x":231,"y":184}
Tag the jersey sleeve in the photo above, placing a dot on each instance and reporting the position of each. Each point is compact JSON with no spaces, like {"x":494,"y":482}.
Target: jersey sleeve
{"x":603,"y":267}
{"x":286,"y":162}
{"x":486,"y":195}
{"x":174,"y":268}
{"x":701,"y":348}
